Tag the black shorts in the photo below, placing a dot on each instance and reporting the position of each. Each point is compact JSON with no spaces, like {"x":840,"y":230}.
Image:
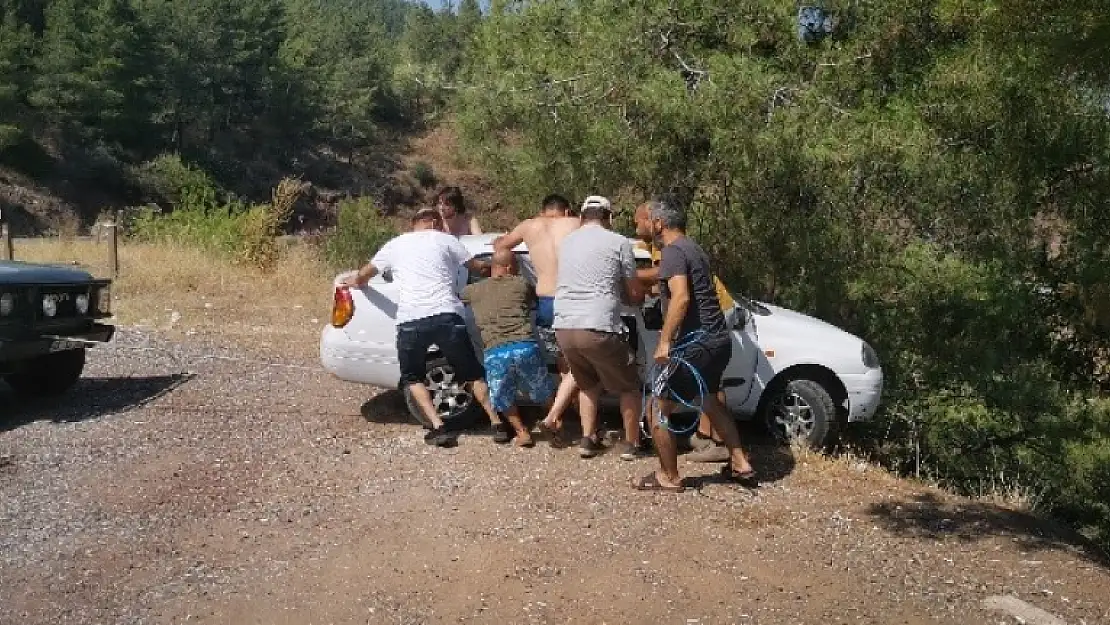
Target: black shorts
{"x":449,"y":333}
{"x":710,"y":361}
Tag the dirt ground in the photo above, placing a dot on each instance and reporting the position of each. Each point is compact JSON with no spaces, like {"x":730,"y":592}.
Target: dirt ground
{"x":189,"y":482}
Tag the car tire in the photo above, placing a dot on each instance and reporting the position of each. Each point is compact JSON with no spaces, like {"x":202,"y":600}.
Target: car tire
{"x":458,"y":408}
{"x":48,"y":375}
{"x":800,"y":411}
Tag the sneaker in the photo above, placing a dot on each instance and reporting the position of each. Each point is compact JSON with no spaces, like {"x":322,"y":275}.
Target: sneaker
{"x":716,"y":453}
{"x":628,"y":451}
{"x":589,"y":447}
{"x":440,"y":437}
{"x":501,"y":433}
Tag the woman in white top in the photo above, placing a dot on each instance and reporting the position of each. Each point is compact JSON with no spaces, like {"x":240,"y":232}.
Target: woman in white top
{"x":450,"y":204}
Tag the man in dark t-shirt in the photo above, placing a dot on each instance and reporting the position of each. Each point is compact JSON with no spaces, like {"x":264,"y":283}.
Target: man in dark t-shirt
{"x":513,"y":360}
{"x":694,"y":330}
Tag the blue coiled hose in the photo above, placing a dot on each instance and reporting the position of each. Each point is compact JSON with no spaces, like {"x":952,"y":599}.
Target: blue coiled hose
{"x":660,"y":375}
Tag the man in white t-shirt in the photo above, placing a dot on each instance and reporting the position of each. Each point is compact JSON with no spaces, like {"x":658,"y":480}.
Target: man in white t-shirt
{"x":425,"y":266}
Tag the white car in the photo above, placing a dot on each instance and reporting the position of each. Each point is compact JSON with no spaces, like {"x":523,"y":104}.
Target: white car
{"x":803,"y":377}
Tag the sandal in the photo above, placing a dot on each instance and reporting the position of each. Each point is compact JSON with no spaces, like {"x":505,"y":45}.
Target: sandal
{"x":650,"y":482}
{"x":747,"y":479}
{"x":501,"y":433}
{"x":555,"y":435}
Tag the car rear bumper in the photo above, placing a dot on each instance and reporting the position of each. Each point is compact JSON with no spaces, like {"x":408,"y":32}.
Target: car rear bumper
{"x":864,"y":393}
{"x":365,"y":362}
{"x":23,"y":349}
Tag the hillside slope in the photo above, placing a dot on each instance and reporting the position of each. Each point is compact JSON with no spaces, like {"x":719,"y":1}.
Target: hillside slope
{"x":400,"y":173}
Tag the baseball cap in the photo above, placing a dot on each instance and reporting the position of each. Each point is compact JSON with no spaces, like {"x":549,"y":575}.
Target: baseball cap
{"x":597,"y":202}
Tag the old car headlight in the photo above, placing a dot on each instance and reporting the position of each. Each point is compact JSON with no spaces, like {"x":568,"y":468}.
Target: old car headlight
{"x":82,"y":303}
{"x":870,"y":358}
{"x":104,"y":300}
{"x":7,"y":304}
{"x":49,"y":305}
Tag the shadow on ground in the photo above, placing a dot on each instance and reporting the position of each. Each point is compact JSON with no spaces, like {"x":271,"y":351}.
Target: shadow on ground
{"x":90,"y":398}
{"x":387,"y":407}
{"x":927,"y":515}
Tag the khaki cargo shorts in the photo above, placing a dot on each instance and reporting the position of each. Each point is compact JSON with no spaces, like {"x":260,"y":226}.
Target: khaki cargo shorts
{"x":600,"y":358}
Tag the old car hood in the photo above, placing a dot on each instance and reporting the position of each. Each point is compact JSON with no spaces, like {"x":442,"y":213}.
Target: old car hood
{"x":16,"y":272}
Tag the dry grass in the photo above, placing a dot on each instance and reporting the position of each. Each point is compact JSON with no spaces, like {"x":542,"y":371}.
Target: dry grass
{"x":184,"y":291}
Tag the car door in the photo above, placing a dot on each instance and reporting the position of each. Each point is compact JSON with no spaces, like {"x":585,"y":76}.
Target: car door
{"x":737,"y":380}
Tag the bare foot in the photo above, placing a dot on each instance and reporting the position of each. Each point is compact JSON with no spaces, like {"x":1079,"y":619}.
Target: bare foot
{"x":523,"y":440}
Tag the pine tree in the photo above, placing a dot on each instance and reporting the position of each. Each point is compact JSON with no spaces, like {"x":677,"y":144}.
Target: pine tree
{"x":15,"y":53}
{"x":88,"y":69}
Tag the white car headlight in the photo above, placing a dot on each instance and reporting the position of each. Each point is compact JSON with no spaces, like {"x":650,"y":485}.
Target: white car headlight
{"x":870,"y":358}
{"x":49,"y":305}
{"x":7,"y":304}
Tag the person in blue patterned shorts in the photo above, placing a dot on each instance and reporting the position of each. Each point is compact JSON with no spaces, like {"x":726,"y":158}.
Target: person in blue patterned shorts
{"x":513,"y":359}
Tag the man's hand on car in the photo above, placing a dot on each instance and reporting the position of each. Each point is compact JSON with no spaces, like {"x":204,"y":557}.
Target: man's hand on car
{"x":663,"y":352}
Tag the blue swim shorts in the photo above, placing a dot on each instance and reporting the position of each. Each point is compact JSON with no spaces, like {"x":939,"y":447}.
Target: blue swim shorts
{"x":517,"y":369}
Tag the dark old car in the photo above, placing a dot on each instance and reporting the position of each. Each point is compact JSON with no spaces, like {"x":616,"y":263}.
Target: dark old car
{"x":49,"y":316}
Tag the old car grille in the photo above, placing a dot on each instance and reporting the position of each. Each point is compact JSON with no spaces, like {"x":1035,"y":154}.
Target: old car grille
{"x":64,"y":303}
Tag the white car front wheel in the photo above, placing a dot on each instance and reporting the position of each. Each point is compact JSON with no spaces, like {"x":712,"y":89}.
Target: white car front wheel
{"x":800,"y":411}
{"x":452,"y":400}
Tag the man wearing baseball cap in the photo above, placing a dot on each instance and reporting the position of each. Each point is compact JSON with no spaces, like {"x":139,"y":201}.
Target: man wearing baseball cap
{"x":596,"y":277}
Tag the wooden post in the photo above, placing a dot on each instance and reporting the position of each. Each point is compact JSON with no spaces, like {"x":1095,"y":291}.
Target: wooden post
{"x":5,"y":242}
{"x":113,"y":246}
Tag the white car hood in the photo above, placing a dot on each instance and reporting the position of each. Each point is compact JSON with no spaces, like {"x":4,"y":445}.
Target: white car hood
{"x":801,"y":328}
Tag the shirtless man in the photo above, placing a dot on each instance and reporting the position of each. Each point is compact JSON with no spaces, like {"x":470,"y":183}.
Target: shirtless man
{"x":543,"y":235}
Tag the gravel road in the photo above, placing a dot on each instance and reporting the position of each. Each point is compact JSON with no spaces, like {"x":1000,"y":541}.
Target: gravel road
{"x":195,"y":483}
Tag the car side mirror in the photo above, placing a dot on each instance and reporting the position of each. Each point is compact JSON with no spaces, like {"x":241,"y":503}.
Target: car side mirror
{"x":387,"y":275}
{"x":653,"y":315}
{"x":738,"y":318}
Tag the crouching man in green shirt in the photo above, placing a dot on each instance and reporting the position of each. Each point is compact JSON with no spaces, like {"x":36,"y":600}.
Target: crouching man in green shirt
{"x":513,"y":359}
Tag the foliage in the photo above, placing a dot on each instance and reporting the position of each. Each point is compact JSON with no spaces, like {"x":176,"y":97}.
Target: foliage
{"x":359,"y":232}
{"x":218,"y":82}
{"x":167,"y":179}
{"x":248,"y":234}
{"x":932,"y":176}
{"x":263,"y":225}
{"x":424,"y":174}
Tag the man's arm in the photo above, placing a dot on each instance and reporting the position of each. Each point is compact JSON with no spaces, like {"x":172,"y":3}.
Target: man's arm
{"x":475,"y":227}
{"x":679,"y":286}
{"x":478,"y":265}
{"x":512,"y":239}
{"x":648,"y":276}
{"x":633,"y":291}
{"x":633,"y":288}
{"x":362,"y":276}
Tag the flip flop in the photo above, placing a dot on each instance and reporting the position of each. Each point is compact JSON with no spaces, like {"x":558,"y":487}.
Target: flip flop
{"x":650,"y":482}
{"x":747,"y":479}
{"x":530,"y":444}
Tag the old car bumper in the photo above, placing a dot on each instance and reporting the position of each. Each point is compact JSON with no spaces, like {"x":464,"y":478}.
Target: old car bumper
{"x":864,"y":392}
{"x":46,"y":344}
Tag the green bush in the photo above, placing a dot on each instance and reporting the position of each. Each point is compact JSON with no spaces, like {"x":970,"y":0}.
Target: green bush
{"x":359,"y":232}
{"x":169,"y":180}
{"x":974,"y":400}
{"x":194,"y":221}
{"x":424,"y":174}
{"x":246,"y":233}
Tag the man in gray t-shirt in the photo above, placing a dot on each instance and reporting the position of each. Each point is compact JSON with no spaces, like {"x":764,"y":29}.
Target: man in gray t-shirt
{"x":597,"y":274}
{"x":693,"y":353}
